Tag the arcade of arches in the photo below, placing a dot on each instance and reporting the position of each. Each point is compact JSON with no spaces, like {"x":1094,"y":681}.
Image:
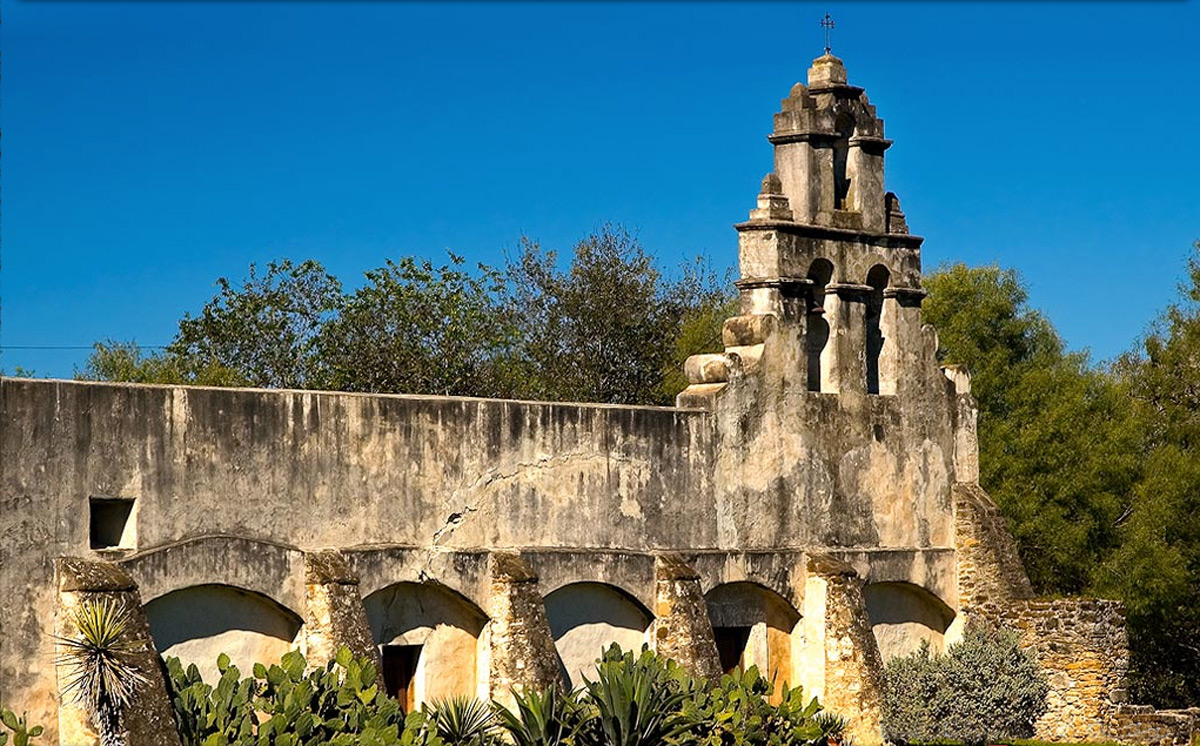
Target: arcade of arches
{"x":432,"y":641}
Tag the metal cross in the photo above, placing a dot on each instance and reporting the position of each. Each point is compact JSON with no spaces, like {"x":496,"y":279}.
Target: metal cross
{"x":827,"y":24}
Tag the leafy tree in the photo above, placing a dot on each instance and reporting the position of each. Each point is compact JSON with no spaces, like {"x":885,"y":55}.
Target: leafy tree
{"x":112,"y":360}
{"x":611,"y":328}
{"x":1097,"y":470}
{"x":266,"y":330}
{"x":419,"y":329}
{"x":705,"y":300}
{"x":607,"y":328}
{"x":1156,"y":570}
{"x":1059,"y":447}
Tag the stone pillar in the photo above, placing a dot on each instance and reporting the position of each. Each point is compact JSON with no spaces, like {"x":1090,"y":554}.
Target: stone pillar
{"x":333,"y":611}
{"x":889,"y":353}
{"x":906,"y":343}
{"x":865,"y":163}
{"x":966,"y":415}
{"x":845,"y":357}
{"x":523,"y":655}
{"x":682,"y":629}
{"x":150,"y":718}
{"x":841,"y":660}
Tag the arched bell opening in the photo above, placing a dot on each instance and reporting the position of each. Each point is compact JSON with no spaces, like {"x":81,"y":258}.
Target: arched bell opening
{"x":820,"y":272}
{"x":876,"y":335}
{"x":843,"y":178}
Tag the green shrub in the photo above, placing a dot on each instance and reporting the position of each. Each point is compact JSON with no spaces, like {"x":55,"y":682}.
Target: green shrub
{"x":982,"y":689}
{"x":737,"y":712}
{"x":341,"y":704}
{"x":464,"y":721}
{"x":636,"y":700}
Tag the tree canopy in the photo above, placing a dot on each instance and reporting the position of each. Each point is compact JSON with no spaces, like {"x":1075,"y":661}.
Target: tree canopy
{"x":610,"y":327}
{"x":1097,"y":468}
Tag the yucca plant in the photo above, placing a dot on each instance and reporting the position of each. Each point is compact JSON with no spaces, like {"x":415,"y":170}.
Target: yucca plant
{"x":638,"y":700}
{"x":101,"y":676}
{"x":463,"y":721}
{"x":550,"y":718}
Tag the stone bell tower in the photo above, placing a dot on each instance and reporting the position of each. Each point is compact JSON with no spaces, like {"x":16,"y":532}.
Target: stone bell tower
{"x":827,"y":253}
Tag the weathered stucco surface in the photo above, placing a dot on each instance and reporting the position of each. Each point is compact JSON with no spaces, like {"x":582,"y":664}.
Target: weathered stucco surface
{"x":813,"y":497}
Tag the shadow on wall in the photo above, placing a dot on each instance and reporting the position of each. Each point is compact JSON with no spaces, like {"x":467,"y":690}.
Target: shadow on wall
{"x":753,"y":626}
{"x":585,"y":618}
{"x":903,"y":614}
{"x":429,"y":642}
{"x":197,"y":624}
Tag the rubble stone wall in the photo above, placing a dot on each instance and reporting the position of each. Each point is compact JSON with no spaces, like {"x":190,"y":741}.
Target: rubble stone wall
{"x":1082,"y":647}
{"x":990,"y":574}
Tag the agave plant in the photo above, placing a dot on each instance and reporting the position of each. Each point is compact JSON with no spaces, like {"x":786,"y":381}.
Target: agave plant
{"x":638,"y":699}
{"x":100,"y":673}
{"x":550,"y":718}
{"x":463,"y":721}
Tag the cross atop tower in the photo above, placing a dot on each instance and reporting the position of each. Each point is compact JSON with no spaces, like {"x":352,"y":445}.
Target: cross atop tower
{"x":827,"y":24}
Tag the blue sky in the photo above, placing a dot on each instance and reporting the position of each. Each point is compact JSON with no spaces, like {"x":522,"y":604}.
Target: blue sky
{"x":151,"y":147}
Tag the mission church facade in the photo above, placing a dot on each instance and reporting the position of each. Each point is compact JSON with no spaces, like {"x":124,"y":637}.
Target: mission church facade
{"x":810,"y":506}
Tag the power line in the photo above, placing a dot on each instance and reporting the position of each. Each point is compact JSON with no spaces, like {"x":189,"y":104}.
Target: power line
{"x":72,"y":347}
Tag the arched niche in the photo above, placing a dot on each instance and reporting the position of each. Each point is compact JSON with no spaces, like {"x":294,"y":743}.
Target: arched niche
{"x":904,"y":614}
{"x":753,"y":626}
{"x":428,"y":637}
{"x":843,"y":174}
{"x":199,"y":623}
{"x":585,"y":618}
{"x":880,"y":377}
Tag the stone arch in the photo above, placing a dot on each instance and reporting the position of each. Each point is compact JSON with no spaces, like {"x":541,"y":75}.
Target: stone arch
{"x":820,"y":274}
{"x":429,"y":639}
{"x":585,"y":618}
{"x":903,"y":614}
{"x":270,"y":569}
{"x":754,"y":625}
{"x":462,"y":573}
{"x":199,"y":623}
{"x":879,"y":378}
{"x":843,"y":177}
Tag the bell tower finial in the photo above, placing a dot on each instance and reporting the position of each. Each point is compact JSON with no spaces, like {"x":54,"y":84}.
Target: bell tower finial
{"x":827,"y":24}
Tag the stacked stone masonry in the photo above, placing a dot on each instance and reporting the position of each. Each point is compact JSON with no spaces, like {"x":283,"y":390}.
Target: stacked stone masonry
{"x":810,"y":506}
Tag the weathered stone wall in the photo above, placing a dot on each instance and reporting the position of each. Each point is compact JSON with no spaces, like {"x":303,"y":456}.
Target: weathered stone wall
{"x":1081,"y":645}
{"x":990,"y":574}
{"x":1142,"y":724}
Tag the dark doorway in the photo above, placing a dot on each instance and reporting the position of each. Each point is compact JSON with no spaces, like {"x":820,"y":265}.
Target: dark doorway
{"x":731,"y":646}
{"x":399,"y":670}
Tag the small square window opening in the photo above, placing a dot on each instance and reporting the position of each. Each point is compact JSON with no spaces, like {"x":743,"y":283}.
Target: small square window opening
{"x":111,"y":523}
